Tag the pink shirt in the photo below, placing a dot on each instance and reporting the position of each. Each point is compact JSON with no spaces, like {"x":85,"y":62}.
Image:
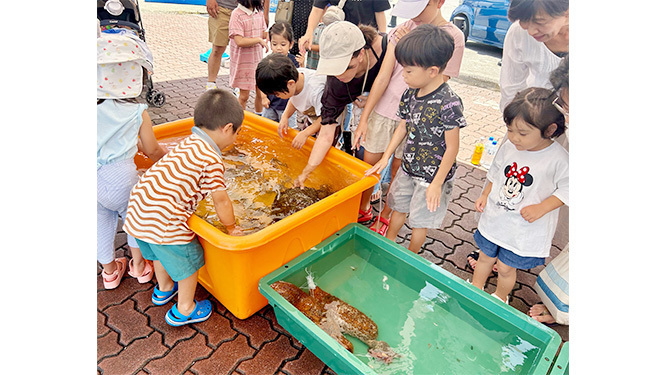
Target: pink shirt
{"x":387,"y":106}
{"x":243,"y":60}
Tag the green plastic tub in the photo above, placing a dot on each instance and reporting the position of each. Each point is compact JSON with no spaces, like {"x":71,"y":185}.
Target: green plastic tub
{"x":438,"y":323}
{"x":562,"y":364}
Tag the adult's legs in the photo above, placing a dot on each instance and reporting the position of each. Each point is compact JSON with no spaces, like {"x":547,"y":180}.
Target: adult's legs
{"x":214,"y":61}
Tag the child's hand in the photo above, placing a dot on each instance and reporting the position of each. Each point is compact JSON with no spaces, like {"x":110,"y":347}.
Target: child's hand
{"x":282,"y":127}
{"x":299,"y":140}
{"x":359,"y":134}
{"x":265,"y":101}
{"x":532,"y":212}
{"x":380,"y":165}
{"x":235,"y":231}
{"x":300,"y":181}
{"x":480,"y":203}
{"x":264,"y":44}
{"x":433,"y":196}
{"x":301,"y":60}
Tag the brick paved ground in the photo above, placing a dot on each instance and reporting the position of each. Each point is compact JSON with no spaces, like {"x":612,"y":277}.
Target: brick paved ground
{"x":132,"y":335}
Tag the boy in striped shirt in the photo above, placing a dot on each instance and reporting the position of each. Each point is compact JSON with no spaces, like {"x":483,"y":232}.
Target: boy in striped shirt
{"x":169,"y":192}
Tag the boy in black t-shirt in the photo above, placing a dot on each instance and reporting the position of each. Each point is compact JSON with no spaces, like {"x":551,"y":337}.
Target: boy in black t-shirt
{"x":431,"y":116}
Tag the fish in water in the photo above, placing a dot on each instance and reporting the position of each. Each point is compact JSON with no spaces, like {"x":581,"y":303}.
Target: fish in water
{"x":292,"y":200}
{"x":336,"y":317}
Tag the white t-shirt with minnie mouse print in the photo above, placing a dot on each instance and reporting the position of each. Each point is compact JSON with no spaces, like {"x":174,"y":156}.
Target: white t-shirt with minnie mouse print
{"x":520,"y":179}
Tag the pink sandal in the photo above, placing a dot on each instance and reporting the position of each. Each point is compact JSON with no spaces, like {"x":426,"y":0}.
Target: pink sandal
{"x":145,"y":276}
{"x":383,"y":228}
{"x":111,"y":281}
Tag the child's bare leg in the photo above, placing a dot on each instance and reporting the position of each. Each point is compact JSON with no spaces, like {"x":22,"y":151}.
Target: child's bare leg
{"x":138,"y":262}
{"x":164,"y":281}
{"x":110,"y":268}
{"x":397,"y":220}
{"x":482,"y":270}
{"x":417,"y":239}
{"x":186,"y":294}
{"x":243,"y":97}
{"x":395,"y":164}
{"x":506,"y":280}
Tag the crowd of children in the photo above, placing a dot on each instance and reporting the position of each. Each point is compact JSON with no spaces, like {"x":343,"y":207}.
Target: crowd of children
{"x":411,"y":120}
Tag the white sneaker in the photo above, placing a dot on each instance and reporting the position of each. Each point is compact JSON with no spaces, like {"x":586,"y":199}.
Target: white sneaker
{"x":210,"y":85}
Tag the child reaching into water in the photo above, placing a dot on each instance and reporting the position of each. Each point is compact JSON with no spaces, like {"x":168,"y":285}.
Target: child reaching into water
{"x":527,"y":182}
{"x":281,"y":40}
{"x":303,"y":87}
{"x":431,"y":116}
{"x":168,"y":194}
{"x":120,"y":122}
{"x":247,"y":42}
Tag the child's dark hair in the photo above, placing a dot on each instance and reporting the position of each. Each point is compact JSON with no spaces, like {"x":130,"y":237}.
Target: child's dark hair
{"x":534,"y":106}
{"x":216,"y":108}
{"x":283,"y":29}
{"x":369,"y":36}
{"x":525,"y":10}
{"x":425,"y":46}
{"x":252,"y":4}
{"x":273,"y":72}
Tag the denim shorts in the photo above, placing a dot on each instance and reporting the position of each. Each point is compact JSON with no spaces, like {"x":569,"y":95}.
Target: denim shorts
{"x":180,"y":261}
{"x":506,"y":256}
{"x":408,"y":195}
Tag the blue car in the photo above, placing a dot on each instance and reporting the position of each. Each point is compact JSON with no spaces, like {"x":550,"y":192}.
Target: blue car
{"x":483,"y":21}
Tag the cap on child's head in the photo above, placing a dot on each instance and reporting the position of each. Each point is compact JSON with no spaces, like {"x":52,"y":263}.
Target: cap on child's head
{"x":337,"y":44}
{"x":332,"y":15}
{"x":409,"y":8}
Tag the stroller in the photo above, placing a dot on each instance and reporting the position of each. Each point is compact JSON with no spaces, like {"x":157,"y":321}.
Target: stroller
{"x":128,"y":18}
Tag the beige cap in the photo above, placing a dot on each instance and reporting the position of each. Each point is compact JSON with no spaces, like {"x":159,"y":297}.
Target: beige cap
{"x":337,"y":44}
{"x":332,"y":15}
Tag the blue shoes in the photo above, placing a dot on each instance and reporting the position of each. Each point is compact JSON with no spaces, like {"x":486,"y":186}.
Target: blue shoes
{"x":160,"y":298}
{"x":202,"y":311}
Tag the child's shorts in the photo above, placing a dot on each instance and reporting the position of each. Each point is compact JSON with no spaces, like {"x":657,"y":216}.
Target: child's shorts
{"x":180,"y":261}
{"x":506,"y":256}
{"x":408,"y":195}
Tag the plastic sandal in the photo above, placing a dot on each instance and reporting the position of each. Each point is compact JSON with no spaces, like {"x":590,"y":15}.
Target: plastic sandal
{"x":145,"y":276}
{"x":365,"y":216}
{"x":475,"y":255}
{"x":160,"y":298}
{"x":383,"y":228}
{"x":112,"y":281}
{"x":505,"y":302}
{"x":376,"y":196}
{"x":202,"y":311}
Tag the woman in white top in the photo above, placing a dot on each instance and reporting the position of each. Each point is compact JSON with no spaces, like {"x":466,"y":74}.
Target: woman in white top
{"x":534,"y":45}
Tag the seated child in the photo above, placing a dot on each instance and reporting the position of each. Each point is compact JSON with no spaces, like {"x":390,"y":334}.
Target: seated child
{"x":431,"y":116}
{"x":169,"y":192}
{"x":303,"y":87}
{"x":527,"y":183}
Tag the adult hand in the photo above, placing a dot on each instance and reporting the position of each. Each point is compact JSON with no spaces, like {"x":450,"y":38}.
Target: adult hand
{"x":400,"y":32}
{"x":300,"y":181}
{"x":360,"y":134}
{"x":212,"y":8}
{"x":304,"y":42}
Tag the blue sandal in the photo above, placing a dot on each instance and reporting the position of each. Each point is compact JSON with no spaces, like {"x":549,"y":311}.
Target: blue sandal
{"x":202,"y":311}
{"x":160,"y":298}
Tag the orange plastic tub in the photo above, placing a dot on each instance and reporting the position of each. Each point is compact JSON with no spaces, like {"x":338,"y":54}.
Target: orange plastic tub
{"x":234,"y":265}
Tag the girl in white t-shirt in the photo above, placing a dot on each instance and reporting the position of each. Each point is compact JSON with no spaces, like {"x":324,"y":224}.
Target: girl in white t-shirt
{"x":527,"y":183}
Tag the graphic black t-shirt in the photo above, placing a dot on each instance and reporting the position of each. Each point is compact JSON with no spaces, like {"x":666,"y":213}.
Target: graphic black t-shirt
{"x":427,"y":118}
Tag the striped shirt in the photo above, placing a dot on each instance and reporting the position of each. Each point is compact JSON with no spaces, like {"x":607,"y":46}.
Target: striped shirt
{"x":168,"y":193}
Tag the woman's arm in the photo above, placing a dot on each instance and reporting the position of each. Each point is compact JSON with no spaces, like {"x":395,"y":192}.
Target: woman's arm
{"x":313,"y":20}
{"x":381,"y":20}
{"x":317,"y":154}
